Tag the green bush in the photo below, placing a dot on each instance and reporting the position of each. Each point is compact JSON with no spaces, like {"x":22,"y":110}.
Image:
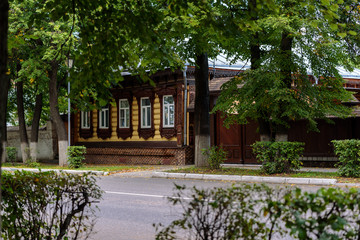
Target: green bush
{"x":76,"y":156}
{"x":279,"y":157}
{"x":11,"y":153}
{"x":261,"y":212}
{"x":47,"y":205}
{"x":32,"y":164}
{"x":348,"y":152}
{"x":216,"y":156}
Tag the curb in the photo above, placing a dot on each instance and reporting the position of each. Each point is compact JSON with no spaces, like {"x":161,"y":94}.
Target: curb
{"x":278,"y":180}
{"x":97,"y":173}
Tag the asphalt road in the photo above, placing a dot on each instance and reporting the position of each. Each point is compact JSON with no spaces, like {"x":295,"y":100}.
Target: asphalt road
{"x":132,"y":204}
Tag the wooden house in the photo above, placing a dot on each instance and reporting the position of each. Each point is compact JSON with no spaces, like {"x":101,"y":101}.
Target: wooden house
{"x":154,"y":125}
{"x":144,"y":126}
{"x":237,"y":140}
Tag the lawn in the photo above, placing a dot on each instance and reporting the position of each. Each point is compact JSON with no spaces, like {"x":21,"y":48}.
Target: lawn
{"x":92,"y":167}
{"x":258,"y":172}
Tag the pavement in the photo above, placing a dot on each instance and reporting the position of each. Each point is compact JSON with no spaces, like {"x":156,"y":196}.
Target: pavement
{"x":159,"y":171}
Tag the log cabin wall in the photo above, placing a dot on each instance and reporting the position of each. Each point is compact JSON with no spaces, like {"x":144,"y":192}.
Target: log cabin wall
{"x":157,"y":144}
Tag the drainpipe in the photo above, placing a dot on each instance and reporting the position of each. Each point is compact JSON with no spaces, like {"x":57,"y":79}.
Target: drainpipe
{"x":185,"y":105}
{"x":214,"y":70}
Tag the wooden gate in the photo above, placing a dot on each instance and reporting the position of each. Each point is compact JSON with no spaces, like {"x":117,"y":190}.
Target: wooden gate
{"x":237,"y":140}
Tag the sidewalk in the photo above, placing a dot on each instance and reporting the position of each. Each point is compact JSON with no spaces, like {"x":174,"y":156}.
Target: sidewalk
{"x":258,"y":179}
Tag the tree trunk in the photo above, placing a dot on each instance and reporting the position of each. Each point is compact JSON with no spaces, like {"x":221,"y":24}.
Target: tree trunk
{"x":201,"y":115}
{"x":255,"y":55}
{"x":35,"y":128}
{"x":285,"y":68}
{"x":55,"y":115}
{"x":4,"y":80}
{"x":24,"y":143}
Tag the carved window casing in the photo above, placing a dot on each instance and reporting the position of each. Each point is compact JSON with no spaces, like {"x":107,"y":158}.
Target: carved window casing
{"x":86,"y":126}
{"x":124,"y":128}
{"x":145,"y":130}
{"x":168,"y":131}
{"x":168,"y":117}
{"x":124,"y":113}
{"x":104,"y":122}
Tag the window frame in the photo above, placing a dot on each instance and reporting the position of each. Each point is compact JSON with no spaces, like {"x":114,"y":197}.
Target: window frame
{"x":148,"y":110}
{"x":127,"y":114}
{"x":101,"y":125}
{"x":164,"y":112}
{"x":88,"y":117}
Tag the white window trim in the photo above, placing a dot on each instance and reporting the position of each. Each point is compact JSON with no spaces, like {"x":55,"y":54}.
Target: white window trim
{"x":83,"y":114}
{"x":101,"y":124}
{"x":125,"y":115}
{"x":141,"y":112}
{"x":173,"y":104}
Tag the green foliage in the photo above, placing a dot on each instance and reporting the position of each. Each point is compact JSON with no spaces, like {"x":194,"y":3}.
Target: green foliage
{"x":219,"y":213}
{"x":261,"y":212}
{"x":216,"y":156}
{"x":11,"y":153}
{"x":261,"y":94}
{"x":76,"y":156}
{"x":278,"y":88}
{"x":278,"y":157}
{"x":348,"y":152}
{"x":47,"y":205}
{"x":32,"y":164}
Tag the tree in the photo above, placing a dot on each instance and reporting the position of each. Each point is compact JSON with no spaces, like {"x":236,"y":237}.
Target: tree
{"x":294,"y":38}
{"x":43,"y":45}
{"x":193,"y":29}
{"x":4,"y":81}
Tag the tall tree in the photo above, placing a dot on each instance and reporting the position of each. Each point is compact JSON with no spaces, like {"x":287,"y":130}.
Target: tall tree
{"x":296,"y":37}
{"x":43,"y":45}
{"x":4,"y":81}
{"x":194,"y":33}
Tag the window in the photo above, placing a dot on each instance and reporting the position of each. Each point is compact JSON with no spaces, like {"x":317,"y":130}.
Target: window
{"x":85,"y":119}
{"x":145,"y":113}
{"x":104,"y":118}
{"x":124,"y":113}
{"x":168,"y":111}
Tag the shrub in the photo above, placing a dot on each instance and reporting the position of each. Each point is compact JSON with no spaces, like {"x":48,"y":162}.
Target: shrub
{"x":261,"y":212}
{"x":11,"y":153}
{"x":47,"y":205}
{"x":76,"y":156}
{"x":279,"y":157}
{"x":218,"y":213}
{"x":32,"y":164}
{"x":216,"y":156}
{"x":348,"y":152}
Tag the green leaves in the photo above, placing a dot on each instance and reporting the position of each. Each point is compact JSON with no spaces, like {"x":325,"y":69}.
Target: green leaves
{"x":348,"y":152}
{"x":216,"y":156}
{"x":36,"y":205}
{"x":261,"y":212}
{"x":76,"y":156}
{"x":279,"y":157}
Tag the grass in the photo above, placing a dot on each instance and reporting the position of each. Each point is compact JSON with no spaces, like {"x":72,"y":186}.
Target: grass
{"x":93,"y":167}
{"x":258,"y":172}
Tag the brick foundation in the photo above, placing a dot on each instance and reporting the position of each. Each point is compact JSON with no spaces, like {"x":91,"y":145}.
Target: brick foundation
{"x":132,"y":155}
